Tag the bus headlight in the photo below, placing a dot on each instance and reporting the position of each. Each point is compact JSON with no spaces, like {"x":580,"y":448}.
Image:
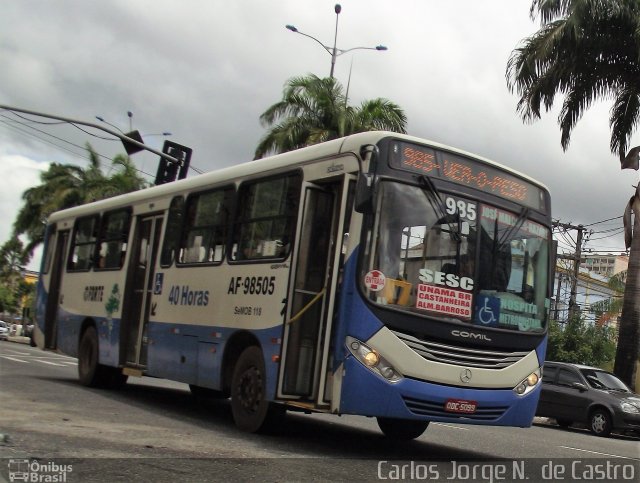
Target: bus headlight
{"x":372,"y":360}
{"x":525,"y":386}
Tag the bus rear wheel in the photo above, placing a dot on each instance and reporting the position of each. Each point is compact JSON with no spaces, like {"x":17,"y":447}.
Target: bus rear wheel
{"x":402,"y":429}
{"x":88,"y":367}
{"x":251,"y":410}
{"x":90,"y":372}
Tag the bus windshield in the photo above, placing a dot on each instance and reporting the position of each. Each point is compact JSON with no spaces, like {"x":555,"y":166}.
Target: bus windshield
{"x":448,"y":257}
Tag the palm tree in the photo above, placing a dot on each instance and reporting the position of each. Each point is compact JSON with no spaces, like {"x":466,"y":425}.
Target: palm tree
{"x":313,"y":110}
{"x":65,"y":185}
{"x":589,"y":50}
{"x":13,"y":260}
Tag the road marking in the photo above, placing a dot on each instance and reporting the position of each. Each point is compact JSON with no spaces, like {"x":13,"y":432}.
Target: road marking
{"x":447,"y":425}
{"x":601,"y":454}
{"x":65,"y":359}
{"x":26,"y":358}
{"x":51,"y":363}
{"x":15,"y":353}
{"x":14,"y":359}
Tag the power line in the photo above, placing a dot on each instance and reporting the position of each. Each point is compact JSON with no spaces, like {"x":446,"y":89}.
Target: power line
{"x":59,"y":139}
{"x":33,"y":121}
{"x":603,"y":221}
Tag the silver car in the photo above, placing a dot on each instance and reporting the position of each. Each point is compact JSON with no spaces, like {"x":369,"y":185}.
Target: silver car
{"x":4,"y":330}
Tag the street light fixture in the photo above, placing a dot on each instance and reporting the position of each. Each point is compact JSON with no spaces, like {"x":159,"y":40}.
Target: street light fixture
{"x":157,"y":134}
{"x":101,"y":119}
{"x":335,"y":52}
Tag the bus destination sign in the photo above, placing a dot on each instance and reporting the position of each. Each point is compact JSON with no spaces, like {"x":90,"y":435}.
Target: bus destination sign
{"x":465,"y":171}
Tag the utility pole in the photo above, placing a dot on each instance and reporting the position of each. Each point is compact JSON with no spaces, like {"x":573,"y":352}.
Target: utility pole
{"x":573,"y":306}
{"x":558,"y":295}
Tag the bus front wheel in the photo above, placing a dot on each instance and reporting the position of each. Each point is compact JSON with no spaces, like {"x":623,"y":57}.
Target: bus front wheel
{"x":251,"y":410}
{"x":402,"y":429}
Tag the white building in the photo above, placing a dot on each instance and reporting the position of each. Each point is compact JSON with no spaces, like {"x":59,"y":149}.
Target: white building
{"x":606,"y":265}
{"x":591,"y":290}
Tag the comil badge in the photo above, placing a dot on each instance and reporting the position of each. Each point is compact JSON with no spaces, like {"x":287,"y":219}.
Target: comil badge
{"x":374,"y":280}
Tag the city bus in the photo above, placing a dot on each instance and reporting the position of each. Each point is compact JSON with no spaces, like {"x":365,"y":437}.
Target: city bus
{"x":378,"y":274}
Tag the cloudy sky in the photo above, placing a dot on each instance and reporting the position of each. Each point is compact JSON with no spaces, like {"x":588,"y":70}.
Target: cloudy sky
{"x":205,"y":70}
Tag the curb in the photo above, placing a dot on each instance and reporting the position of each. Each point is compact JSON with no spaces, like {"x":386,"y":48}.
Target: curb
{"x":19,"y":339}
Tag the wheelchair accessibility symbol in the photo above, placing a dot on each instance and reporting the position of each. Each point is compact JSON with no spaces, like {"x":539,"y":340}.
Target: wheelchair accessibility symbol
{"x":488,"y":310}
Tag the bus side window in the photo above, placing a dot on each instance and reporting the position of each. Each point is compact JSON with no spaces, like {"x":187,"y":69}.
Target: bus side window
{"x":84,"y":244}
{"x":112,"y":243}
{"x":172,"y":234}
{"x":51,"y":237}
{"x":265,"y":219}
{"x":205,"y":227}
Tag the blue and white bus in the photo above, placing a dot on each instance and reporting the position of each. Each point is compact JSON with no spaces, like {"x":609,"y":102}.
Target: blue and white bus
{"x":378,"y":274}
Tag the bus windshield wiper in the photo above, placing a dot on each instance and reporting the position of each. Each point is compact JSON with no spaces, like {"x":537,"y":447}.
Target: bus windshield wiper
{"x":522,"y":216}
{"x":441,"y":210}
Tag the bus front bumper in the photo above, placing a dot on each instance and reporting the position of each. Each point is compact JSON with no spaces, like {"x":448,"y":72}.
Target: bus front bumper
{"x":368,"y":394}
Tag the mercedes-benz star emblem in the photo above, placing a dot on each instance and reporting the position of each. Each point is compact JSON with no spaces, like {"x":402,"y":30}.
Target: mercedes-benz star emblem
{"x":465,"y":375}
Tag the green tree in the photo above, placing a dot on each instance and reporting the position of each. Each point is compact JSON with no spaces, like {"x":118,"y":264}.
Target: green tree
{"x":580,"y":342}
{"x":613,"y":305}
{"x":313,"y":110}
{"x":65,"y":185}
{"x":589,"y":50}
{"x":12,"y":286}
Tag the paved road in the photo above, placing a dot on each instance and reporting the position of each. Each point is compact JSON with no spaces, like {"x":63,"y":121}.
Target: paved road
{"x":154,"y":430}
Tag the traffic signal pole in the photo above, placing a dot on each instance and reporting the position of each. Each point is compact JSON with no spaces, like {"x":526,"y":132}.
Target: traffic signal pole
{"x":125,"y":139}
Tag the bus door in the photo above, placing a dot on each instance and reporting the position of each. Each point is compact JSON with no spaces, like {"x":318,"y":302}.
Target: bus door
{"x":137,"y":303}
{"x":308,"y":322}
{"x":54,"y":300}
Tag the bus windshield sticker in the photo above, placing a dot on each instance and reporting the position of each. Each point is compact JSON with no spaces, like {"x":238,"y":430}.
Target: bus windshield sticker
{"x":157,"y":284}
{"x":501,"y":311}
{"x":487,"y":311}
{"x":509,"y":219}
{"x":374,"y":280}
{"x":448,"y":279}
{"x":444,"y":300}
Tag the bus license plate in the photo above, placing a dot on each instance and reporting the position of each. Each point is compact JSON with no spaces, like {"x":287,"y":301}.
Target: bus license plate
{"x":460,"y":406}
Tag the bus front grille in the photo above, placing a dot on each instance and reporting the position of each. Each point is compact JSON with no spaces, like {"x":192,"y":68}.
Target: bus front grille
{"x":464,"y":356}
{"x":422,"y":407}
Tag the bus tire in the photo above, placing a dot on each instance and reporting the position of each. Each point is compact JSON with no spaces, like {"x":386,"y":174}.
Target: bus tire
{"x":89,"y":371}
{"x":402,"y":429}
{"x":251,"y":410}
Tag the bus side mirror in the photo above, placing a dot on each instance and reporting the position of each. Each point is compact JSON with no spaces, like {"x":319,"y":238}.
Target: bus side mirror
{"x":364,"y":193}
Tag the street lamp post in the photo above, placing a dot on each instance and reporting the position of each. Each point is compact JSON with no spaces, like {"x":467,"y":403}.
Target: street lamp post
{"x":335,"y":51}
